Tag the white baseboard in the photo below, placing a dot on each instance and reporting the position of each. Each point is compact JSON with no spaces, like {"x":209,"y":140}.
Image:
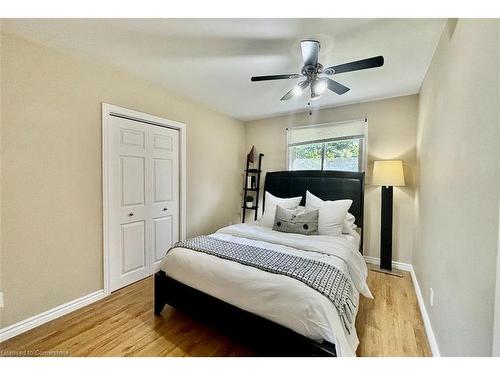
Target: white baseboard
{"x":423,"y":311}
{"x":425,"y":316}
{"x":37,"y":320}
{"x":397,"y":265}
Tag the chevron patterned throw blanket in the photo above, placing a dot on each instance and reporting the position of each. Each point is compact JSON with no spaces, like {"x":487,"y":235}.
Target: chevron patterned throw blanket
{"x":322,"y":277}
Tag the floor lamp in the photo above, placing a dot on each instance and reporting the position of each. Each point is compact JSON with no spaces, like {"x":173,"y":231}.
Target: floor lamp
{"x":387,"y":173}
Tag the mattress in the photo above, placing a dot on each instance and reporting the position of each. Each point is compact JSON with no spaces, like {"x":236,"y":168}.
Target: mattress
{"x":278,"y":298}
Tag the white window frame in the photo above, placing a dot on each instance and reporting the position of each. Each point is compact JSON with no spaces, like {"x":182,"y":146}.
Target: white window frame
{"x":363,"y":147}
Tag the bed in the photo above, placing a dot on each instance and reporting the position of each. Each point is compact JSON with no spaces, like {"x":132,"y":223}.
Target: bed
{"x":272,"y":313}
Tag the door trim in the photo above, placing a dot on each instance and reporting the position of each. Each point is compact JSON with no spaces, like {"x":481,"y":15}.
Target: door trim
{"x":113,"y":110}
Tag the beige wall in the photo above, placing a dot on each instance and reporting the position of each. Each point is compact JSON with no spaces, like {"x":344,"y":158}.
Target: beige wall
{"x":392,"y":125}
{"x":1,"y":309}
{"x":51,"y":170}
{"x":458,"y":153}
{"x":496,"y":320}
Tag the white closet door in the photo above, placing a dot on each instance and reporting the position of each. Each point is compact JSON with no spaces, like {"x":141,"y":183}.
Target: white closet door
{"x":143,"y":198}
{"x":164,"y":212}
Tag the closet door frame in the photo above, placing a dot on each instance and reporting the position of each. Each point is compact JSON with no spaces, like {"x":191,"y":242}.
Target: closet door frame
{"x":109,"y":110}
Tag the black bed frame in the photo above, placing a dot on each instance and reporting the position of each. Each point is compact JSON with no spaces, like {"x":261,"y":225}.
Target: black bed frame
{"x":267,"y":338}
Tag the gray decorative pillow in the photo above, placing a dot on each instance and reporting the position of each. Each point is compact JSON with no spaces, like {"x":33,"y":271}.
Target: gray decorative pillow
{"x":286,"y":221}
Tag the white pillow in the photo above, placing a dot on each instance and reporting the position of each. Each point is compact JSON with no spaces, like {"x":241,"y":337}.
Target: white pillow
{"x":332,"y":214}
{"x":270,"y":207}
{"x":349,"y":225}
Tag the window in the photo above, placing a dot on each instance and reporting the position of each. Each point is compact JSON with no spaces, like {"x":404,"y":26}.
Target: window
{"x":338,"y":146}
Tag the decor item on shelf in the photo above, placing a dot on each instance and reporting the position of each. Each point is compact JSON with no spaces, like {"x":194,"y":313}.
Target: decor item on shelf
{"x":249,"y":201}
{"x":387,"y":173}
{"x":252,"y":184}
{"x":251,"y":155}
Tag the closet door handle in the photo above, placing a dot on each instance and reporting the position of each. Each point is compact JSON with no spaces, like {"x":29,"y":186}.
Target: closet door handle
{"x":165,"y":209}
{"x":131,"y":214}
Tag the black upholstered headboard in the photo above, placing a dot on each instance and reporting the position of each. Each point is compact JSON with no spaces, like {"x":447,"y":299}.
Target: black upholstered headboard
{"x":327,"y":185}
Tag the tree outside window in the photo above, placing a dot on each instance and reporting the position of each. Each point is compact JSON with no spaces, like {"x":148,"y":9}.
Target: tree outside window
{"x":341,"y":155}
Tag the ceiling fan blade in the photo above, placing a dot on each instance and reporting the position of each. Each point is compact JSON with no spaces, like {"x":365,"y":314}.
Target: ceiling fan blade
{"x":310,"y":50}
{"x":278,"y":76}
{"x":336,"y":87}
{"x":373,"y":62}
{"x":297,"y":90}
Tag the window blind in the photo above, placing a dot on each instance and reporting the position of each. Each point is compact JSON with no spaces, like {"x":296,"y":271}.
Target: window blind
{"x":325,"y":132}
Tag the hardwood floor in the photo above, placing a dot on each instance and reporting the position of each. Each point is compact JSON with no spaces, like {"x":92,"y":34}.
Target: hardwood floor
{"x":123,"y":324}
{"x":391,"y":324}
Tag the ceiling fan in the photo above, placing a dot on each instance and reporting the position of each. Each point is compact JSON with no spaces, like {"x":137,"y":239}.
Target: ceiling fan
{"x":314,"y":73}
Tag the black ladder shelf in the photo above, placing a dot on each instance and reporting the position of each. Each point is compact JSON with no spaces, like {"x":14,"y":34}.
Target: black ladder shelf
{"x":249,"y":189}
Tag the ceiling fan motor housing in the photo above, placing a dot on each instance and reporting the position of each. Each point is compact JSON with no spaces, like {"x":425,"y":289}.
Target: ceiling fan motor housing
{"x":312,"y":69}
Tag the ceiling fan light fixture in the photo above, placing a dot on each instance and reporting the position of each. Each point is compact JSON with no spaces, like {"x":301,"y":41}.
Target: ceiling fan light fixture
{"x":315,"y":96}
{"x":320,"y":86}
{"x":297,"y":90}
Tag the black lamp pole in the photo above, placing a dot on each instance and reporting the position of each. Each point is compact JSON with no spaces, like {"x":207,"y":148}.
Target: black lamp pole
{"x":386,"y":229}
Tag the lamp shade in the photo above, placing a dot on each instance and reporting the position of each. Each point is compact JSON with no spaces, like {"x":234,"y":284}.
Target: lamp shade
{"x":388,"y":173}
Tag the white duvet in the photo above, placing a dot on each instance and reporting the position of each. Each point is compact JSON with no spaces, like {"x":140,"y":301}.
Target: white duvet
{"x":278,"y":298}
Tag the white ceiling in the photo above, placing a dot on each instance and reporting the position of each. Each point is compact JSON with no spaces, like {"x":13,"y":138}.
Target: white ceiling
{"x":211,"y":60}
